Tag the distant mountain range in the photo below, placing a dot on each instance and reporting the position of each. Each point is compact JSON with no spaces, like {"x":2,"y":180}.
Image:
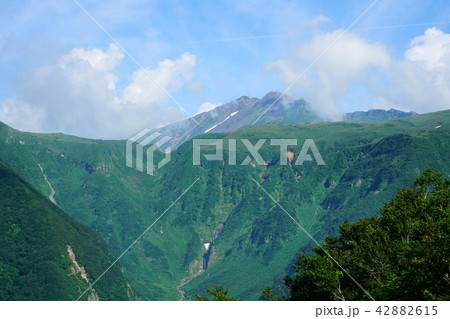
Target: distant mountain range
{"x":376,"y":115}
{"x":244,"y":111}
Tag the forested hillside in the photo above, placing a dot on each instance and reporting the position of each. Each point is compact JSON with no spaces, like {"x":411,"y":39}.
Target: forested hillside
{"x":401,"y":255}
{"x":45,"y":254}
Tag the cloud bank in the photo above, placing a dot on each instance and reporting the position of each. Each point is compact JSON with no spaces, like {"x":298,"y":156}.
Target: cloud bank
{"x":330,"y":78}
{"x":419,"y":81}
{"x":78,"y":95}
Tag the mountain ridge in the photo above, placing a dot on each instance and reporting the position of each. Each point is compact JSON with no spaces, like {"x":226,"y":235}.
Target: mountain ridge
{"x":271,"y":108}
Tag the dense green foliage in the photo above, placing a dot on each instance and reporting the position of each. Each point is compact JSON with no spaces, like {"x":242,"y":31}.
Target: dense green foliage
{"x":402,"y":255}
{"x":34,"y":258}
{"x":218,"y":293}
{"x":252,"y":241}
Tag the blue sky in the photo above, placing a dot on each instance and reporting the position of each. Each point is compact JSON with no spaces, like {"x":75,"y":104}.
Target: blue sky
{"x":59,"y":72}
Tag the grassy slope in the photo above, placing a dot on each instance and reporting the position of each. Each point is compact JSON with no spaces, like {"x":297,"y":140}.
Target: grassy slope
{"x":253,"y":242}
{"x":34,"y":261}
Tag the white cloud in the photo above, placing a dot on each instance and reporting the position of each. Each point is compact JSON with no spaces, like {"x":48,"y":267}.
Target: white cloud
{"x":329,"y":80}
{"x":100,"y":62}
{"x":78,"y":95}
{"x":21,"y":112}
{"x":421,"y":80}
{"x":143,"y":91}
{"x":432,"y":49}
{"x":207,"y":106}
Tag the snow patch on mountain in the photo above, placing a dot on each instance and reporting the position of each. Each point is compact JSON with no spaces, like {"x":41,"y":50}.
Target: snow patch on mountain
{"x":228,"y":117}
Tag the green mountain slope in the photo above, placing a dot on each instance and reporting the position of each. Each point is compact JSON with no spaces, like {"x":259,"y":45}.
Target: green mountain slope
{"x":45,"y":254}
{"x":366,"y":163}
{"x":252,"y":242}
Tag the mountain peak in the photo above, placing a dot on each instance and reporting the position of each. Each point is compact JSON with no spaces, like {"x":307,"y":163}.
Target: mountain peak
{"x":244,"y":99}
{"x":271,"y":96}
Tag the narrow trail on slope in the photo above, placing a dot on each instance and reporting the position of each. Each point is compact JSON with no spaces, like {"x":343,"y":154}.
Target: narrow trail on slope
{"x":49,"y":184}
{"x":185,"y":281}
